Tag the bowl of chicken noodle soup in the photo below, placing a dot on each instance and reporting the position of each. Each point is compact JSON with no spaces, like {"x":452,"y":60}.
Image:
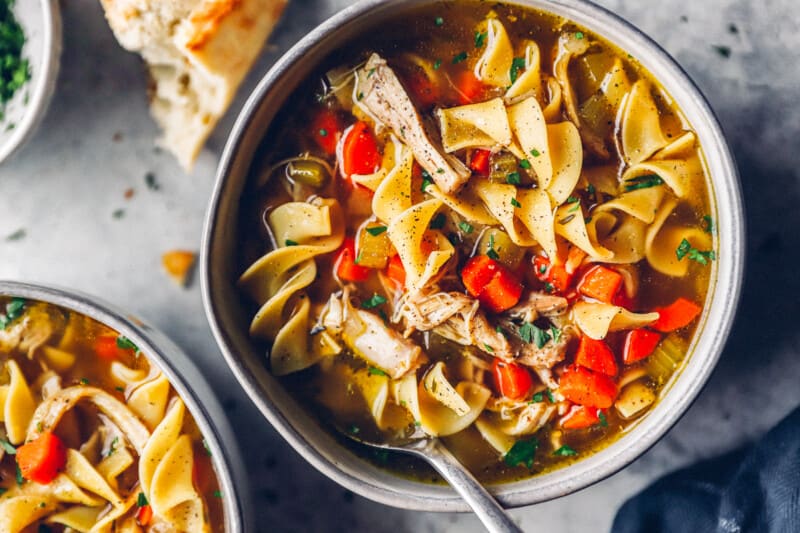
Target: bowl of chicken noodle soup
{"x":99,"y":428}
{"x":513,"y":226}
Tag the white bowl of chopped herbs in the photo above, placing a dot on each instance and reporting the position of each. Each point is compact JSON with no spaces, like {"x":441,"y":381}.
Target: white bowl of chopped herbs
{"x":30,"y":50}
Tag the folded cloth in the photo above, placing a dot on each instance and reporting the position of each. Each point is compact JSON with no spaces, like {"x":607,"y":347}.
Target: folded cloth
{"x":756,"y":489}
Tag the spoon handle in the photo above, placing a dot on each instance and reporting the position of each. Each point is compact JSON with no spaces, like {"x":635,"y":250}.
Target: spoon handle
{"x":489,"y":511}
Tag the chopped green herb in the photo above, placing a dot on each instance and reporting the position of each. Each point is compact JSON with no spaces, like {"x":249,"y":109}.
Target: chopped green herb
{"x":465,"y":226}
{"x":437,"y":64}
{"x":538,"y":397}
{"x":112,"y":447}
{"x":18,"y":475}
{"x":141,"y":500}
{"x":590,"y":189}
{"x":360,"y":96}
{"x":151,"y":181}
{"x":579,"y":35}
{"x":573,"y":199}
{"x":373,"y":302}
{"x":417,"y":423}
{"x":550,"y":397}
{"x":357,"y":260}
{"x":685,"y":249}
{"x":323,"y":132}
{"x":289,"y":242}
{"x":488,"y":348}
{"x":8,"y":447}
{"x":480,"y":38}
{"x":542,"y":269}
{"x":118,"y":213}
{"x":3,"y":490}
{"x":529,"y":332}
{"x":556,"y":334}
{"x":517,"y":64}
{"x":513,"y":178}
{"x":522,"y":453}
{"x":710,"y":227}
{"x":458,"y":58}
{"x":39,"y":426}
{"x":376,"y":230}
{"x":126,"y":344}
{"x":14,"y":310}
{"x":217,"y":494}
{"x":643,"y":182}
{"x":491,"y":252}
{"x":207,"y":448}
{"x":524,"y":163}
{"x":515,"y":203}
{"x":438,"y":21}
{"x":370,"y":73}
{"x":440,"y":171}
{"x":373,"y":371}
{"x":438,"y":221}
{"x":426,"y":180}
{"x":565,"y":451}
{"x":354,"y":429}
{"x":119,"y":389}
{"x":548,"y":287}
{"x":535,"y":153}
{"x":84,"y":381}
{"x":603,"y":420}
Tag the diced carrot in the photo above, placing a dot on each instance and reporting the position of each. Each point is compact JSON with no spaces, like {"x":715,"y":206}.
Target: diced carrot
{"x":556,"y":275}
{"x":345,"y":265}
{"x":511,"y":380}
{"x":584,"y":387}
{"x":575,"y":258}
{"x":596,"y":355}
{"x":325,"y":129}
{"x":677,"y":315}
{"x":469,"y":87}
{"x":479,"y":163}
{"x":360,"y":153}
{"x":477,"y":273}
{"x":502,"y":292}
{"x":144,"y":515}
{"x":396,"y":272}
{"x":600,"y":283}
{"x":40,"y":460}
{"x":105,"y":346}
{"x":639,"y":344}
{"x":580,"y":417}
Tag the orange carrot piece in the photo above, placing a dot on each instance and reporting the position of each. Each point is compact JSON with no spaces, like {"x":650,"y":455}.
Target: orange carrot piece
{"x":639,"y":344}
{"x":511,"y":380}
{"x":40,"y":460}
{"x":600,"y":283}
{"x":677,"y":315}
{"x":580,"y":417}
{"x":360,"y":153}
{"x":345,"y":265}
{"x":584,"y":387}
{"x":596,"y":355}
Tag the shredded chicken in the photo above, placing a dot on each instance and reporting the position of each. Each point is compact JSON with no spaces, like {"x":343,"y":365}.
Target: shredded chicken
{"x":521,"y":417}
{"x":542,"y":360}
{"x":535,"y":304}
{"x":383,"y":96}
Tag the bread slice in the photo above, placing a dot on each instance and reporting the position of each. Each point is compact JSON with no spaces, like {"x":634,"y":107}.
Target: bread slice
{"x":197,"y":53}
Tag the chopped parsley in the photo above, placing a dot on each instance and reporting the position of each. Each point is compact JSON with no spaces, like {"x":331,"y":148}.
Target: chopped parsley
{"x":112,"y":447}
{"x":710,"y":227}
{"x":685,"y":249}
{"x":323,"y":132}
{"x":8,"y":447}
{"x":550,"y":397}
{"x":354,"y":429}
{"x":535,"y":153}
{"x":376,"y":230}
{"x":539,"y":396}
{"x":373,"y":302}
{"x":513,"y":178}
{"x":517,"y":64}
{"x":217,"y":494}
{"x":438,"y":21}
{"x":126,"y":344}
{"x":373,"y":371}
{"x":3,"y":490}
{"x":515,"y":203}
{"x":426,"y":180}
{"x":480,"y":38}
{"x":357,"y":260}
{"x":437,"y":64}
{"x":565,"y":451}
{"x":119,"y":389}
{"x":151,"y":181}
{"x":14,"y":310}
{"x":488,"y":348}
{"x":84,"y":381}
{"x":465,"y":226}
{"x":603,"y":420}
{"x":556,"y":334}
{"x":491,"y":252}
{"x":207,"y":448}
{"x":529,"y":332}
{"x":524,"y":163}
{"x":438,"y":221}
{"x":18,"y":475}
{"x":643,"y":182}
{"x":458,"y":58}
{"x":141,"y":500}
{"x":522,"y":453}
{"x":289,"y":242}
{"x":579,"y":35}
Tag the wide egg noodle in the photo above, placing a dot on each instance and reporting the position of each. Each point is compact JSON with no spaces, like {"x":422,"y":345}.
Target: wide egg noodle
{"x":571,"y":225}
{"x":494,"y":65}
{"x":149,"y":400}
{"x":642,"y":203}
{"x":172,"y":492}
{"x":496,"y":438}
{"x":407,"y":232}
{"x":552,"y":111}
{"x":536,"y":214}
{"x":18,"y":405}
{"x":466,"y":203}
{"x":484,"y":124}
{"x":111,"y":466}
{"x":160,"y":442}
{"x":57,"y":359}
{"x":393,"y":195}
{"x":566,"y":154}
{"x":596,"y":319}
{"x":85,"y":476}
{"x":641,"y":133}
{"x":439,"y":420}
{"x":623,"y":236}
{"x":375,"y":391}
{"x":678,"y":174}
{"x":18,"y":512}
{"x":528,"y":82}
{"x":527,"y":419}
{"x":530,"y":128}
{"x":500,"y":199}
{"x":78,"y":517}
{"x":663,"y":240}
{"x":437,"y":385}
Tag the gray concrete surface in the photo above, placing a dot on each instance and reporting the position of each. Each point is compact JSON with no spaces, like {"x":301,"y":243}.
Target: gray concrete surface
{"x":97,"y":142}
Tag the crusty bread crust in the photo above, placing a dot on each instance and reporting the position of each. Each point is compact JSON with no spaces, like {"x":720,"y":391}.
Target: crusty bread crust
{"x":197,"y":52}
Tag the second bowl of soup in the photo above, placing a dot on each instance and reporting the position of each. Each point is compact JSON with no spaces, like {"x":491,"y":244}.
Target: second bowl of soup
{"x":490,"y":224}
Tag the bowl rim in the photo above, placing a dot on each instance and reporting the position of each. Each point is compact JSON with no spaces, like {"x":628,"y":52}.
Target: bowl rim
{"x":719,"y":309}
{"x":42,"y":91}
{"x":168,"y":357}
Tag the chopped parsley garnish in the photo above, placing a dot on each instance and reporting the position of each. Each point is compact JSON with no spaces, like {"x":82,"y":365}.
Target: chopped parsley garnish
{"x":84,"y":381}
{"x":524,"y":163}
{"x":465,"y":226}
{"x":440,"y":171}
{"x":488,"y":348}
{"x":119,"y":389}
{"x":522,"y":453}
{"x":643,"y":182}
{"x":685,"y":249}
{"x":458,"y":58}
{"x":217,"y":494}
{"x":14,"y":310}
{"x":539,"y":396}
{"x":376,"y":230}
{"x":323,"y":132}
{"x":513,"y":178}
{"x":437,"y":64}
{"x":357,"y":260}
{"x":565,"y":451}
{"x":491,"y":252}
{"x":517,"y":64}
{"x":373,"y":302}
{"x":556,"y":334}
{"x":529,"y":332}
{"x":112,"y":447}
{"x":426,"y":180}
{"x":710,"y":227}
{"x":579,"y":35}
{"x":373,"y":371}
{"x":548,"y":287}
{"x":354,"y":429}
{"x":8,"y":447}
{"x":141,"y":500}
{"x":535,"y":153}
{"x":603,"y":420}
{"x":126,"y":344}
{"x":3,"y":490}
{"x":289,"y":242}
{"x":18,"y":475}
{"x":438,"y":221}
{"x":438,"y":21}
{"x":207,"y":448}
{"x":515,"y":203}
{"x":550,"y":397}
{"x":480,"y":38}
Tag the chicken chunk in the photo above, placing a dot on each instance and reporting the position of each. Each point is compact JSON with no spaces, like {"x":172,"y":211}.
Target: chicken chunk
{"x":383,"y":96}
{"x":536,"y":304}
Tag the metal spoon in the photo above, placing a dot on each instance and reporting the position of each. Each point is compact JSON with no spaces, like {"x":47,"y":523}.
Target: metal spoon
{"x":431,"y":449}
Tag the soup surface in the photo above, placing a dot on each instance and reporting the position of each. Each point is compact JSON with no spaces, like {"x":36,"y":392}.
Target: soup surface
{"x":483,"y":223}
{"x":92,"y":437}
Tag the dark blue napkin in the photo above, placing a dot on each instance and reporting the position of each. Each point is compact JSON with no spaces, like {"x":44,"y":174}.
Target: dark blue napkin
{"x":756,"y":489}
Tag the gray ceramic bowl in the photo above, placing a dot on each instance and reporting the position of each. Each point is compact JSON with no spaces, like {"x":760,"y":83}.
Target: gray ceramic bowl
{"x":230,"y":321}
{"x":192,"y":387}
{"x":41,"y":22}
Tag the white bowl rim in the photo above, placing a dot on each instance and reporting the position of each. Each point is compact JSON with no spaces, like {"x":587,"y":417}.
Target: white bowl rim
{"x":716,"y":321}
